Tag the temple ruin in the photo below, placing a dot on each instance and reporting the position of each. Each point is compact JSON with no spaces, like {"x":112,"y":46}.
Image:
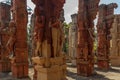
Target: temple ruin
{"x":85,"y":58}
{"x":73,"y":39}
{"x":35,"y":43}
{"x":105,"y":21}
{"x":115,"y":42}
{"x":5,"y":64}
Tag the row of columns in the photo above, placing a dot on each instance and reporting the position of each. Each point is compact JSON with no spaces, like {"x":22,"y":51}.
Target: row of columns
{"x":48,"y":58}
{"x":105,"y":23}
{"x":13,"y":38}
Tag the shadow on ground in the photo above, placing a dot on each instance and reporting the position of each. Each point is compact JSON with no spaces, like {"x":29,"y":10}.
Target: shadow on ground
{"x":72,"y":75}
{"x":8,"y":76}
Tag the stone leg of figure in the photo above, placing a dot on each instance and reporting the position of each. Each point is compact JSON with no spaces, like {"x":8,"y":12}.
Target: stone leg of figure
{"x":55,"y":40}
{"x":59,"y":43}
{"x":40,"y":49}
{"x":10,"y":47}
{"x":37,"y":48}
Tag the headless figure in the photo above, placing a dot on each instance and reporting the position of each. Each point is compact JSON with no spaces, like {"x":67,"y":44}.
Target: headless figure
{"x":11,"y":42}
{"x":39,"y":25}
{"x":54,"y":23}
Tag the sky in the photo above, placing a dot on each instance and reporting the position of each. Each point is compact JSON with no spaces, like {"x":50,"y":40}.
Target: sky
{"x":71,"y":7}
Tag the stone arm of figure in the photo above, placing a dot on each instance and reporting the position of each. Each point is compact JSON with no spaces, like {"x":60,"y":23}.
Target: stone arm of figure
{"x":91,"y":32}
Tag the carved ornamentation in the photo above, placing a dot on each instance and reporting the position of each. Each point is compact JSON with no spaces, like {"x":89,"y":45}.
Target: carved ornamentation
{"x":105,"y":20}
{"x":18,"y":38}
{"x":48,"y":40}
{"x":5,"y":65}
{"x":85,"y":58}
{"x":115,"y":42}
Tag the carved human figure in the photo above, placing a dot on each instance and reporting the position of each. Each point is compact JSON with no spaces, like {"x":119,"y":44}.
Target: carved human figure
{"x":11,"y":42}
{"x":39,"y":27}
{"x":56,"y":38}
{"x":91,"y":33}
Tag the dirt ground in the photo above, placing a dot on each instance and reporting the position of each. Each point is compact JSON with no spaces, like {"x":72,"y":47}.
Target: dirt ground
{"x":112,"y":74}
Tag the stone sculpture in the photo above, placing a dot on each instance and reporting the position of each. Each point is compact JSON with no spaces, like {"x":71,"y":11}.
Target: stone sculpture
{"x":48,"y":58}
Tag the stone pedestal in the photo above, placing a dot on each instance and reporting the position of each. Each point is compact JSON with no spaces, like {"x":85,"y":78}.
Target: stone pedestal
{"x":85,"y":68}
{"x":5,"y":66}
{"x":103,"y":64}
{"x":19,"y":70}
{"x":53,"y":73}
{"x":115,"y":61}
{"x":74,"y":62}
{"x":56,"y":69}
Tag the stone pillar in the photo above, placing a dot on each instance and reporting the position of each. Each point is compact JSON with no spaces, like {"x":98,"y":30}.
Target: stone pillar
{"x":5,"y":65}
{"x":85,"y":58}
{"x":115,"y":42}
{"x":48,"y":57}
{"x":73,"y":39}
{"x":19,"y":38}
{"x":105,"y":20}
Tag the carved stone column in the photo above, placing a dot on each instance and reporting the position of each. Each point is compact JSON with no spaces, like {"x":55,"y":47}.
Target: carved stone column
{"x":19,"y":38}
{"x":5,"y":65}
{"x":85,"y":58}
{"x":49,"y":61}
{"x":73,"y":39}
{"x":115,"y":42}
{"x":105,"y":20}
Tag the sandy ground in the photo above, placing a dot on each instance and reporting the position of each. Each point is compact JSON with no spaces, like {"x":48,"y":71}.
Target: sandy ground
{"x":112,"y":74}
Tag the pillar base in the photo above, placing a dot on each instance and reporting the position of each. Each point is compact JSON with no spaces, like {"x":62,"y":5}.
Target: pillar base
{"x":5,"y":66}
{"x":35,"y":74}
{"x":85,"y":68}
{"x":115,"y":61}
{"x":73,"y":62}
{"x":20,"y":69}
{"x":103,"y":64}
{"x":55,"y":71}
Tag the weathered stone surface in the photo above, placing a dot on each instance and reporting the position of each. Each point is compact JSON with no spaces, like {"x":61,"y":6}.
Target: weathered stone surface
{"x":105,"y":20}
{"x":73,"y":39}
{"x":48,"y":59}
{"x":85,"y":57}
{"x":5,"y":65}
{"x":115,"y":42}
{"x":19,"y":38}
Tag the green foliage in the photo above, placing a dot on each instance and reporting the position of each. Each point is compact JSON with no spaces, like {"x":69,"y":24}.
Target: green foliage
{"x":66,"y":31}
